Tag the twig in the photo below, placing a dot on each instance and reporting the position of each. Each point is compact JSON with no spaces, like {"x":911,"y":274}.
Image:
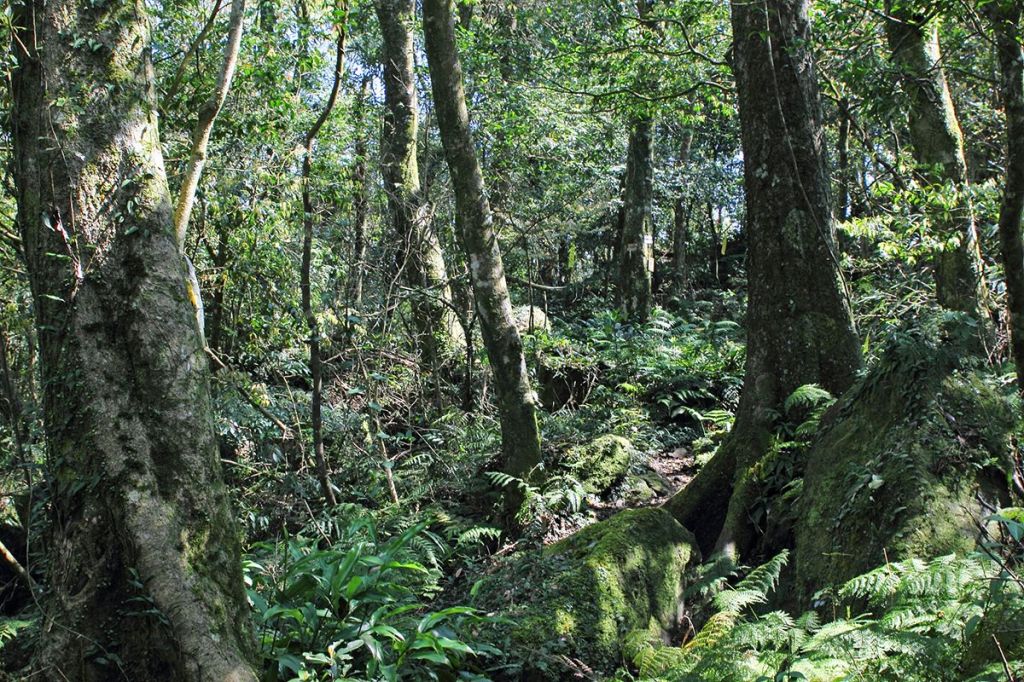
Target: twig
{"x":1006,"y":665}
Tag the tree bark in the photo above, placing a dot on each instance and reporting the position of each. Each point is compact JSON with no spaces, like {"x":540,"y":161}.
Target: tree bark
{"x":438,"y":334}
{"x":517,"y":409}
{"x":799,"y":326}
{"x":636,"y":250}
{"x":305,"y":286}
{"x":142,"y":524}
{"x":938,"y":149}
{"x":1005,"y":16}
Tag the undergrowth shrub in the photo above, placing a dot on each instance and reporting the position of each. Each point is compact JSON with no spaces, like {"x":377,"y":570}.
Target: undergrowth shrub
{"x":356,"y":607}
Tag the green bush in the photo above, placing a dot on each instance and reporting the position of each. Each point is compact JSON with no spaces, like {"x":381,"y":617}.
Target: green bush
{"x":356,"y":610}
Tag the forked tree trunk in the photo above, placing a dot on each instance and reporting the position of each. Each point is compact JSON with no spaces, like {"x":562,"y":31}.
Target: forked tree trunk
{"x":517,"y":408}
{"x":634,"y":283}
{"x":799,"y":326}
{"x":144,"y":565}
{"x":938,"y":148}
{"x":438,"y":334}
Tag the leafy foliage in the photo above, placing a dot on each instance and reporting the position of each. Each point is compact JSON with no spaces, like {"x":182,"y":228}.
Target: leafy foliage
{"x":355,"y":609}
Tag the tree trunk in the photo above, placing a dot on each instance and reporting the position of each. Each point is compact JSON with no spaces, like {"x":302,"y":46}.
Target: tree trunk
{"x":315,"y":360}
{"x":799,"y":327}
{"x":1005,"y":16}
{"x":938,"y":148}
{"x":636,"y":250}
{"x":438,"y":335}
{"x":843,"y":144}
{"x":142,"y":524}
{"x":204,"y":124}
{"x":361,"y":203}
{"x":681,"y":213}
{"x":220,"y":259}
{"x":517,"y":410}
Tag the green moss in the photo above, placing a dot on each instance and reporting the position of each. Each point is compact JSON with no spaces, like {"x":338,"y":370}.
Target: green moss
{"x":600,"y":464}
{"x":900,"y":465}
{"x":579,"y":598}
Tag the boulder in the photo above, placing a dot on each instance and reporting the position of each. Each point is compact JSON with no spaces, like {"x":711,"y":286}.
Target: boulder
{"x":601,"y":463}
{"x":530,"y":319}
{"x":577,"y":600}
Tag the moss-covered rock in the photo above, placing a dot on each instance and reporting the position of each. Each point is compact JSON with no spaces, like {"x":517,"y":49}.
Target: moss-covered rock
{"x":576,"y":600}
{"x":644,"y":486}
{"x":902,"y":465}
{"x":601,"y":463}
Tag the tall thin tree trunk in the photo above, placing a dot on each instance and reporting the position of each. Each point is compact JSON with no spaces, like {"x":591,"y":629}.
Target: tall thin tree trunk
{"x":204,"y":124}
{"x":220,"y":258}
{"x":799,"y":326}
{"x":843,"y":200}
{"x":636,"y":250}
{"x":438,"y":334}
{"x":144,"y":568}
{"x":315,"y":361}
{"x":360,"y":201}
{"x":1005,"y":16}
{"x":938,"y":148}
{"x":517,"y":408}
{"x":681,"y":221}
{"x":681,"y":214}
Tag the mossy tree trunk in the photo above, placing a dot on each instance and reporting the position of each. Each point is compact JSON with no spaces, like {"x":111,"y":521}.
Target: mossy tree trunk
{"x":799,"y":326}
{"x":634,"y":282}
{"x":144,"y":565}
{"x":517,"y":409}
{"x":438,"y":334}
{"x":1005,"y":16}
{"x":938,"y":147}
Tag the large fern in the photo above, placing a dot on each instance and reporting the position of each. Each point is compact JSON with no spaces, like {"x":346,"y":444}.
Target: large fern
{"x":917,"y":619}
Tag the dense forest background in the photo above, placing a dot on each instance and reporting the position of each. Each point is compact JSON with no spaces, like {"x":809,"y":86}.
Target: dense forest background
{"x":509,"y":339}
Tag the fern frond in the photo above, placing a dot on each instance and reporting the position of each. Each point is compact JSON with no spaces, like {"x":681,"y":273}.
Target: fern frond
{"x":764,"y":578}
{"x":808,"y":395}
{"x":714,"y":631}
